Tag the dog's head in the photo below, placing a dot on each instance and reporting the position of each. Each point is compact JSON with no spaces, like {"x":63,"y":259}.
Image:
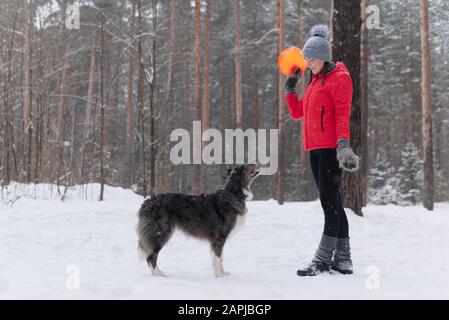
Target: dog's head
{"x":242,"y":175}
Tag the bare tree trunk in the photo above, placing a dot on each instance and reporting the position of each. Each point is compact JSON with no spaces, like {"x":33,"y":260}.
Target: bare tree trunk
{"x":280,"y":119}
{"x":102,"y":110}
{"x":40,"y":114}
{"x":439,"y":138}
{"x":114,"y":113}
{"x":129,"y":118}
{"x":222,"y":94}
{"x":88,"y":125}
{"x":129,"y":159}
{"x":140,"y":102}
{"x":8,"y":134}
{"x":274,"y":177}
{"x":186,"y":112}
{"x":152,"y":137}
{"x":256,"y":64}
{"x":72,"y":155}
{"x":364,"y":104}
{"x":168,"y":111}
{"x":206,"y":95}
{"x":428,"y":194}
{"x":346,"y":48}
{"x":196,"y":168}
{"x":27,"y":124}
{"x":61,"y":107}
{"x":129,"y":104}
{"x":238,"y":68}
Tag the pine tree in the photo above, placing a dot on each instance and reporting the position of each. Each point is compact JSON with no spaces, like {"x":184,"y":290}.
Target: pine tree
{"x":441,"y":185}
{"x":381,"y":181}
{"x":346,"y":46}
{"x":410,"y":175}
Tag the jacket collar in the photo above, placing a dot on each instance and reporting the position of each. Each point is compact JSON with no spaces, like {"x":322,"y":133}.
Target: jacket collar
{"x":331,"y":68}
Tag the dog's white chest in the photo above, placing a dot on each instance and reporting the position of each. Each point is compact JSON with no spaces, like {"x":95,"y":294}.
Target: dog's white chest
{"x":239,"y":222}
{"x":249,"y":195}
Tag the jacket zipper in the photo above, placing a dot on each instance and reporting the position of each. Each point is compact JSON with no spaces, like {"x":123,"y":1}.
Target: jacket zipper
{"x":305,"y":117}
{"x":322,"y":119}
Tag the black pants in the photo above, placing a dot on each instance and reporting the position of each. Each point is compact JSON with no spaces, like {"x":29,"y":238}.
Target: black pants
{"x":327,"y":176}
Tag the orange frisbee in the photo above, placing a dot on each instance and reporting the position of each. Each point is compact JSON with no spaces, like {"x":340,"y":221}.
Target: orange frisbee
{"x":290,"y":59}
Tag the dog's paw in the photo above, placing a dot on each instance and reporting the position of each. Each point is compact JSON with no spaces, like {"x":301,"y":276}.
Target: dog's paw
{"x":222,"y":274}
{"x":158,"y":273}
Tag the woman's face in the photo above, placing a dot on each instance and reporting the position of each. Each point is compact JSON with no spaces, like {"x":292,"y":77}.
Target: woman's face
{"x":315,"y":65}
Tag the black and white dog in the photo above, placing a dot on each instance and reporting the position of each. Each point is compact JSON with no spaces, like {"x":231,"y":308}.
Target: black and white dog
{"x":210,"y":217}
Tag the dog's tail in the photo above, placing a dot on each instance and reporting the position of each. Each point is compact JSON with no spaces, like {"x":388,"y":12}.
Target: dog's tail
{"x":144,"y":247}
{"x":143,"y":229}
{"x":142,"y":254}
{"x":153,"y":228}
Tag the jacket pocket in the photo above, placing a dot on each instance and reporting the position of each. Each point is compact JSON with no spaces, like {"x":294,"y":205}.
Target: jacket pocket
{"x":322,"y":119}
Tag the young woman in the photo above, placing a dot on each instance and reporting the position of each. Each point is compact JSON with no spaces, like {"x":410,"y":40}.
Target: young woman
{"x":326,"y":108}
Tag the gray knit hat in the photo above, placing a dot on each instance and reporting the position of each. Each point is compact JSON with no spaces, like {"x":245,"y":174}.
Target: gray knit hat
{"x":317,"y":46}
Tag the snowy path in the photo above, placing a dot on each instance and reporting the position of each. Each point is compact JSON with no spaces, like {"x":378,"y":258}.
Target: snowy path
{"x":40,"y":238}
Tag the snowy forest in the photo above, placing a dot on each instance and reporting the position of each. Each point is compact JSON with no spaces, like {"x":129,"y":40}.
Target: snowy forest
{"x":90,"y":91}
{"x":95,"y":96}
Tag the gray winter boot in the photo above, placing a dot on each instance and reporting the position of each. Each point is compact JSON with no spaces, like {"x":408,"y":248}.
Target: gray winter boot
{"x":322,"y":261}
{"x":342,"y":259}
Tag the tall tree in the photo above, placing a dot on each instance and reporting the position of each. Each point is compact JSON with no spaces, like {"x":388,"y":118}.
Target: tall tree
{"x":152,"y":97}
{"x":168,"y":111}
{"x":255,"y":71}
{"x":129,"y":101}
{"x":27,"y":124}
{"x":364,"y":103}
{"x":87,"y":148}
{"x":426,"y":107}
{"x":238,"y":67}
{"x":140,"y":101}
{"x":206,"y":83}
{"x":346,"y":48}
{"x":9,"y":154}
{"x":62,"y":97}
{"x":102,"y":111}
{"x":280,"y":119}
{"x":196,"y":169}
{"x":186,"y":114}
{"x":39,"y":136}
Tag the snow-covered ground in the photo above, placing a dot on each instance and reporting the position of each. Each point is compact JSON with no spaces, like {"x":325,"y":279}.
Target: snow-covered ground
{"x":85,"y":249}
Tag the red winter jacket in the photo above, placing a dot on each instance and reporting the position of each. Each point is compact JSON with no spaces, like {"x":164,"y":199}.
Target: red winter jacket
{"x":326,"y":109}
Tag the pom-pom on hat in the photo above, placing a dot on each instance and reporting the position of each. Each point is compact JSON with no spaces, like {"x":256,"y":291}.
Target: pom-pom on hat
{"x":317,"y":46}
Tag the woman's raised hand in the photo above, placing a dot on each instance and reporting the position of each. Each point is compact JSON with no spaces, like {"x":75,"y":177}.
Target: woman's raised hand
{"x":291,"y":82}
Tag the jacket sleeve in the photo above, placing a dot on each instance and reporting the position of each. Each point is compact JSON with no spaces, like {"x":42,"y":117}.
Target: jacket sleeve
{"x":294,"y":106}
{"x":342,"y":99}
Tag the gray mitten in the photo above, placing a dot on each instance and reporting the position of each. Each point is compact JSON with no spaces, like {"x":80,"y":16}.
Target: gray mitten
{"x":346,"y":157}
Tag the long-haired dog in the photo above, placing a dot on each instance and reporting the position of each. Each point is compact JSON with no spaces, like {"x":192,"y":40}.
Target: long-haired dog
{"x":210,"y":217}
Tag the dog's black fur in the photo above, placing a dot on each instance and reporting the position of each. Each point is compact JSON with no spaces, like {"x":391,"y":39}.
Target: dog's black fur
{"x":211,"y":217}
